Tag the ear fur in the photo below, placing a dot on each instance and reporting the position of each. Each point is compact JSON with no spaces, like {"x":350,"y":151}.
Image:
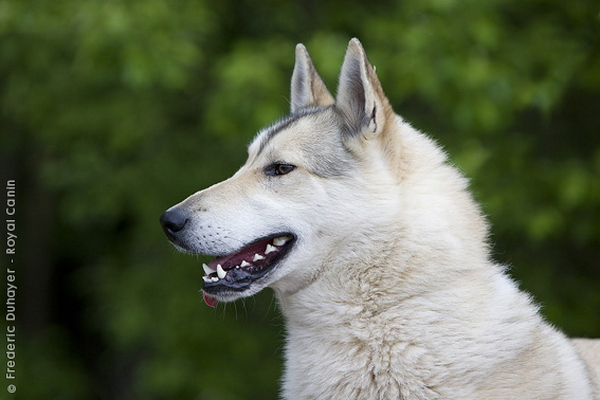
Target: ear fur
{"x":307,"y":88}
{"x":360,"y":96}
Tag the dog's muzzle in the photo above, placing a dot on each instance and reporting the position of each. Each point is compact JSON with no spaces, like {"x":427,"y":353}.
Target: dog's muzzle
{"x":231,"y":271}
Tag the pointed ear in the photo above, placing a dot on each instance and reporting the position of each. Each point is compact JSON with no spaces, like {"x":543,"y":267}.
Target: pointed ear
{"x":360,"y":96}
{"x":308,"y":89}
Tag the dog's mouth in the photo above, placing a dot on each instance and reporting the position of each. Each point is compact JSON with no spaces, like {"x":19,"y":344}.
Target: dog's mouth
{"x":237,"y":271}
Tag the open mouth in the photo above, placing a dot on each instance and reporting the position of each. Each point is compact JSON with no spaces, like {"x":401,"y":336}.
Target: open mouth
{"x":238,"y":270}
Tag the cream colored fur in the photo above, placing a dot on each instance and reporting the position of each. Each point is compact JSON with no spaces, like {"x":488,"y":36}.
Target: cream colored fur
{"x":389,"y":291}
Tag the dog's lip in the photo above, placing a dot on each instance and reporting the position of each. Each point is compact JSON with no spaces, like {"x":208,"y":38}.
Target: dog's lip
{"x":238,"y":270}
{"x":249,"y":251}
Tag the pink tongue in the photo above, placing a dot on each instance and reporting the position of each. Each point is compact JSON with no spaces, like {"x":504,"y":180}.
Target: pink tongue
{"x":209,"y":300}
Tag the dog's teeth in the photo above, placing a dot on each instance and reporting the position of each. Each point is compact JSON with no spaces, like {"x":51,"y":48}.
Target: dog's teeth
{"x":221,"y":272}
{"x":206,"y":278}
{"x":245,"y":264}
{"x":207,"y":270}
{"x":257,"y":257}
{"x":270,"y":249}
{"x":214,"y":279}
{"x":280,"y":241}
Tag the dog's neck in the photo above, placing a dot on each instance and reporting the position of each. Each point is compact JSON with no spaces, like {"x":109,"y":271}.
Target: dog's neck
{"x":372,"y":283}
{"x":347,"y":314}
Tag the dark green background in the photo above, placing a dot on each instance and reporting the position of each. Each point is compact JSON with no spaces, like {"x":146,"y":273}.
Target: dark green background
{"x":112,"y":111}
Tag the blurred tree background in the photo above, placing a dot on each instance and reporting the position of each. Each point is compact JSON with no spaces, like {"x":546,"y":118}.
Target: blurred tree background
{"x":114,"y":110}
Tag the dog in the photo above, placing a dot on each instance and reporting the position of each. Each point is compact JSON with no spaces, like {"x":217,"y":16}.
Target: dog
{"x":378,"y":256}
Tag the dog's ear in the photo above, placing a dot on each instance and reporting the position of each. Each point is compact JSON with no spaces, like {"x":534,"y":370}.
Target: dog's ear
{"x":308,"y":89}
{"x":360,"y":96}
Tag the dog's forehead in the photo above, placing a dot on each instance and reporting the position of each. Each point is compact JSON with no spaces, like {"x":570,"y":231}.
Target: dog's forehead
{"x":296,"y":131}
{"x":314,"y":136}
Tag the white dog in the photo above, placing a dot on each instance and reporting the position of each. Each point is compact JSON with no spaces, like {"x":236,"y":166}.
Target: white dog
{"x":378,"y":256}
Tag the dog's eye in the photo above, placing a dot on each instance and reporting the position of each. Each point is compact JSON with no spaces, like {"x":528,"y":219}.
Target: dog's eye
{"x":283,"y":169}
{"x":279,"y":169}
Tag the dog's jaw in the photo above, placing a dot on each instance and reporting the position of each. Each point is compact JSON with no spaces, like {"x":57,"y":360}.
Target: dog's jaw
{"x":246,"y":270}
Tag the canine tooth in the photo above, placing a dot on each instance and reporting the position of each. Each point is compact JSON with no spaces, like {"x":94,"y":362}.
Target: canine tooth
{"x":207,"y":270}
{"x":258,"y":257}
{"x":220,"y":271}
{"x":206,"y":278}
{"x":245,"y":264}
{"x":270,"y":249}
{"x":280,"y":241}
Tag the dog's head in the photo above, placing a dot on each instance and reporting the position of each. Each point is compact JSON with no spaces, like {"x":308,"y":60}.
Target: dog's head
{"x":277,"y":221}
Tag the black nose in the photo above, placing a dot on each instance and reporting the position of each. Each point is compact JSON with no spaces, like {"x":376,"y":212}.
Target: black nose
{"x":173,"y":221}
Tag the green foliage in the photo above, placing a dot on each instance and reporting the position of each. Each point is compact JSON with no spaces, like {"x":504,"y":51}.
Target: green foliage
{"x":112,"y":111}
